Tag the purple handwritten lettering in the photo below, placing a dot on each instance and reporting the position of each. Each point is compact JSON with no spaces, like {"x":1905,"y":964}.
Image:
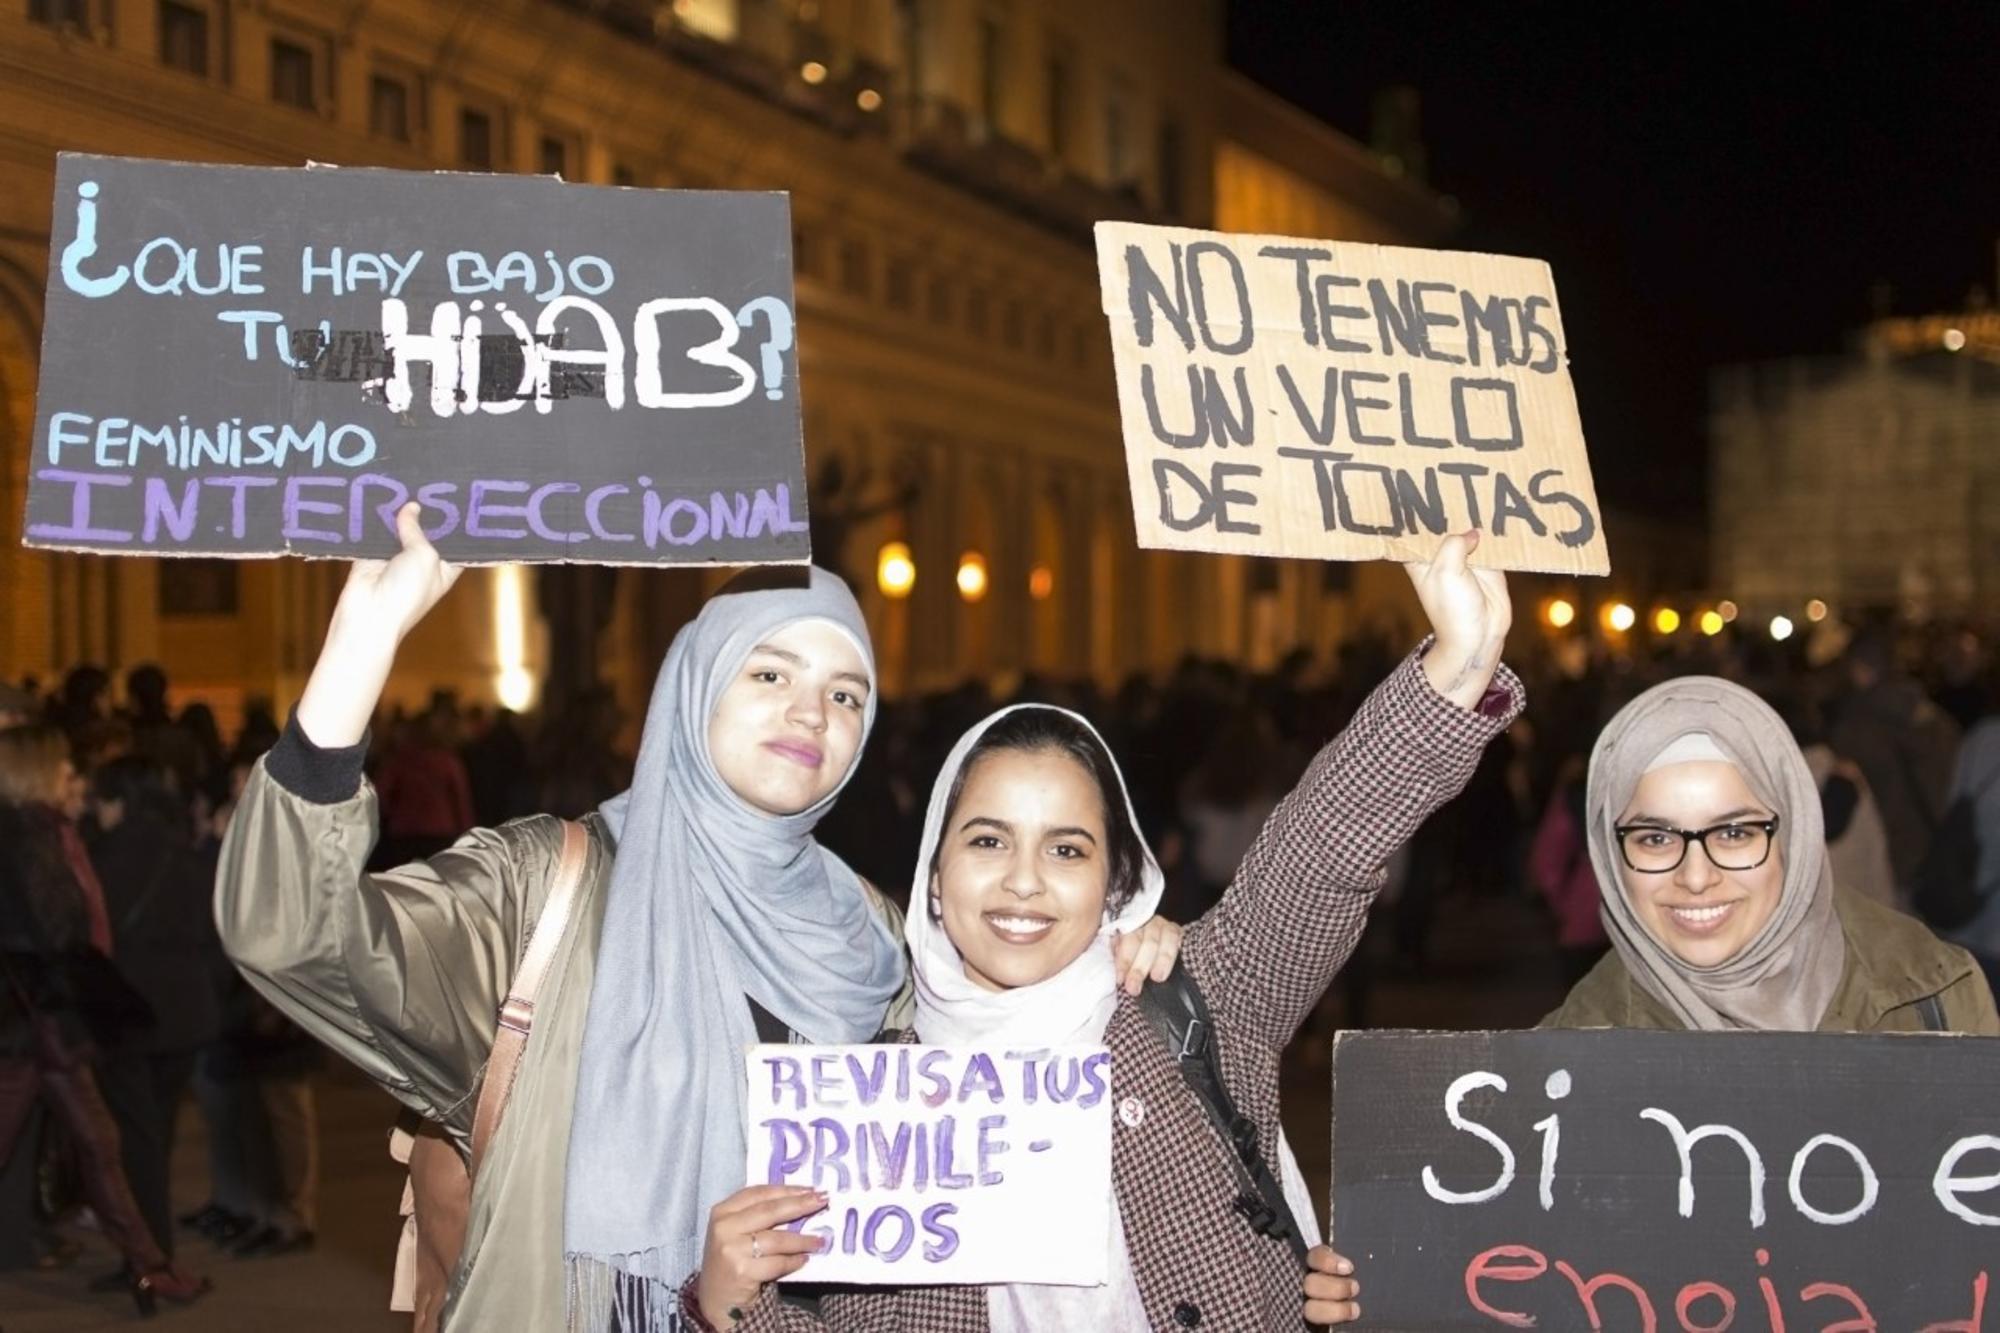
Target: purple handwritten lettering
{"x":980,"y":1076}
{"x":79,"y":528}
{"x":297,"y":505}
{"x":239,"y":524}
{"x":539,"y":526}
{"x":159,"y":507}
{"x":478,"y":510}
{"x":944,"y":1238}
{"x":990,"y":1147}
{"x":592,"y":506}
{"x":788,"y":1150}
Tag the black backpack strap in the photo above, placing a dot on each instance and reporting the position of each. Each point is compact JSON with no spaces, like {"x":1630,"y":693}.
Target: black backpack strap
{"x":1180,"y":1014}
{"x":1931,"y":1010}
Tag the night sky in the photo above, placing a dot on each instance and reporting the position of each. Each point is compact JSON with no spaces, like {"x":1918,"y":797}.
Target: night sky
{"x":1712,"y":183}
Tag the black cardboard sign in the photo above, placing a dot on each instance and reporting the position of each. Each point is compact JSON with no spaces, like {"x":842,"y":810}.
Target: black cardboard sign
{"x":244,"y":361}
{"x":1649,"y":1180}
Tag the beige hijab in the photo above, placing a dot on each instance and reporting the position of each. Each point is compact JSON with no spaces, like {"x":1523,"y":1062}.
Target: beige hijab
{"x":1784,"y":979}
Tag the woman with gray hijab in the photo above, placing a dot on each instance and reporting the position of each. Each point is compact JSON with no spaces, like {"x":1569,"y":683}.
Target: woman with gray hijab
{"x":707,"y":918}
{"x":1705,"y":832}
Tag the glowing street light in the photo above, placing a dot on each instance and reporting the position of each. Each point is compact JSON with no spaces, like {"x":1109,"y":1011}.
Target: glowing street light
{"x":1619,"y":617}
{"x":1781,"y":628}
{"x":813,"y":72}
{"x":1815,"y":610}
{"x":972,"y":576}
{"x":1666,"y":620}
{"x":895,"y":571}
{"x":868,"y":100}
{"x":1711,"y":623}
{"x":1559,"y":613}
{"x":1727,"y":610}
{"x":1041,"y":583}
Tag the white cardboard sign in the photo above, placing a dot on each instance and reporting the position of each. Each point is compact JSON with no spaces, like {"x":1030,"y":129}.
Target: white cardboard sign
{"x":941,"y":1164}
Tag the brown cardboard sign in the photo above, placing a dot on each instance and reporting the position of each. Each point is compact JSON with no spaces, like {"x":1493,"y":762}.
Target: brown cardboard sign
{"x":1331,"y":400}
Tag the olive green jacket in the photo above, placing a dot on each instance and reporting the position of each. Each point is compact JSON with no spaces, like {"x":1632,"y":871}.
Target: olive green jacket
{"x":404,"y":972}
{"x":1894,"y":963}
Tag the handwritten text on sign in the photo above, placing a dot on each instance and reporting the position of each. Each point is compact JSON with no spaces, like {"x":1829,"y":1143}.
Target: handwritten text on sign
{"x":1652,"y":1180}
{"x":243,"y":361}
{"x":941,"y":1164}
{"x":1344,"y":401}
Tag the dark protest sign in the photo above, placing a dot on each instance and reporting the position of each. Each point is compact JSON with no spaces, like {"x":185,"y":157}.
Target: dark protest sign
{"x":243,"y":361}
{"x":1649,"y":1180}
{"x":941,"y":1164}
{"x":1341,"y":401}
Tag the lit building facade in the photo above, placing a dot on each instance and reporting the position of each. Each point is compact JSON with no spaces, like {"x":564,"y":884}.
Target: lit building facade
{"x":1870,"y":481}
{"x":945,"y":160}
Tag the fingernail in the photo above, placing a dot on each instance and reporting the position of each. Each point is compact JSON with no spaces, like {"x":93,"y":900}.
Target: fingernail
{"x":1344,"y":1267}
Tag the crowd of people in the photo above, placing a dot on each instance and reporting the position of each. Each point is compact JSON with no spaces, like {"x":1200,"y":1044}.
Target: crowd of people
{"x":119,"y":1000}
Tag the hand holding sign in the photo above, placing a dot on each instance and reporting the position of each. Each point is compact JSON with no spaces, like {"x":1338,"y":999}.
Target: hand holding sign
{"x":1469,"y":613}
{"x":381,"y":602}
{"x":749,"y":1246}
{"x":1330,"y":1288}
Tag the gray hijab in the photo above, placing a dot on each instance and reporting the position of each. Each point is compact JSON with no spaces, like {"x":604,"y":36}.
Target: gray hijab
{"x":1784,"y":979}
{"x":710,"y":900}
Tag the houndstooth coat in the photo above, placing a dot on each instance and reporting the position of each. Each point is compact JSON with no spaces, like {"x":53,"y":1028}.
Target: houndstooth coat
{"x":1262,"y":956}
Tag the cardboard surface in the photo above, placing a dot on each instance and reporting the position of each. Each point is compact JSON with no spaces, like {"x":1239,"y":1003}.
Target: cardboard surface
{"x":243,"y":361}
{"x":943,"y":1165}
{"x":1331,"y":400}
{"x":1558,"y":1196}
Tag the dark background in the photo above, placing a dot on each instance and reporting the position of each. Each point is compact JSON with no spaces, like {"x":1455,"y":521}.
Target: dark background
{"x":1712,"y":183}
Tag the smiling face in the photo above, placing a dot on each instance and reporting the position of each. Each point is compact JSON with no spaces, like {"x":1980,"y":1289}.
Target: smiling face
{"x":787,"y":727}
{"x":1022,"y":867}
{"x":1701,"y":914}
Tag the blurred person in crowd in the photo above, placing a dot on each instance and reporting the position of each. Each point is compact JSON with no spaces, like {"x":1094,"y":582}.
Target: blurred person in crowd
{"x":17,"y":706}
{"x":1904,"y":746}
{"x":1559,"y":867}
{"x":1964,"y":685}
{"x":258,"y":733}
{"x":497,"y":769}
{"x":1708,"y":840}
{"x":1857,"y":842}
{"x":425,"y":795}
{"x":157,"y":892}
{"x":1977,"y":780}
{"x":60,"y":997}
{"x":82,"y":701}
{"x":211,"y":755}
{"x":1223,"y":806}
{"x":156,"y":734}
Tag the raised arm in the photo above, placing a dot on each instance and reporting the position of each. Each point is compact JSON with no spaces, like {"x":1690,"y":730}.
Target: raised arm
{"x":1266,"y":953}
{"x":402,"y":972}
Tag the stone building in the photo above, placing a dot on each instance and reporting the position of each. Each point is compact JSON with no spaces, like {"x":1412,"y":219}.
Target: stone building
{"x":945,"y":159}
{"x":1869,"y":481}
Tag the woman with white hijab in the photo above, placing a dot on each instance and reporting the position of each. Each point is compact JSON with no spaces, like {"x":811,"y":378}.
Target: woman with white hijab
{"x":1031,"y":861}
{"x":1718,"y":894}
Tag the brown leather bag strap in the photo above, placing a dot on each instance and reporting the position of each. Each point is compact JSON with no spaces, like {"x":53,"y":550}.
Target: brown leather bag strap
{"x":517,"y":1015}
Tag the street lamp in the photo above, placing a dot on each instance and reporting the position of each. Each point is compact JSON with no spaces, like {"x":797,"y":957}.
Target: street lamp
{"x":1618,"y":617}
{"x":1781,"y":628}
{"x":895,"y":571}
{"x":1666,"y":620}
{"x":972,"y":576}
{"x":1559,"y":613}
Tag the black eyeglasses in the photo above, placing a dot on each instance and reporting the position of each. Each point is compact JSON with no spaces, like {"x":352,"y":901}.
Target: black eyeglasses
{"x":1652,"y":849}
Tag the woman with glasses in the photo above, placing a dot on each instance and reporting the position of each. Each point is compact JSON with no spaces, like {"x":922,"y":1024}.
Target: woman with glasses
{"x":1705,"y":832}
